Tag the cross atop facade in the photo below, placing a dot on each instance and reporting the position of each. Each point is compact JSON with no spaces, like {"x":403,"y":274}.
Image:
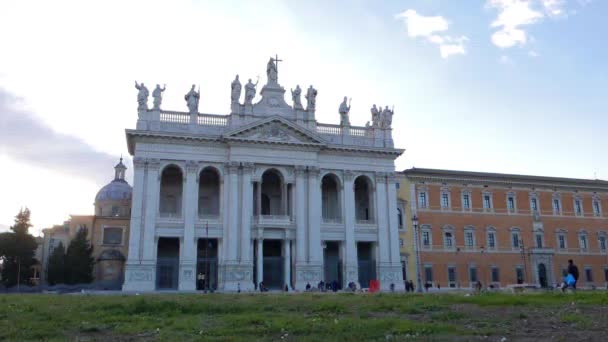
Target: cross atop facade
{"x":276,"y":61}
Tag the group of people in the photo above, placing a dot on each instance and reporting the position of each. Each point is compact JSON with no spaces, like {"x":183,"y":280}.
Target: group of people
{"x":571,"y":277}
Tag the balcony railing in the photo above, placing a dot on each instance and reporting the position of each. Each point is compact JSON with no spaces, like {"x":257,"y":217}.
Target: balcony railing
{"x":170,"y":215}
{"x":273,"y":219}
{"x":332,"y":220}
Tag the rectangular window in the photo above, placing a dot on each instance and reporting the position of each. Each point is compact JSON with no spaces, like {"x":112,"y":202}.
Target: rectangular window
{"x":495,"y":274}
{"x":539,"y":241}
{"x":428,"y":273}
{"x":472,"y":273}
{"x":519,"y":274}
{"x":426,"y":238}
{"x":561,"y":238}
{"x":596,"y":208}
{"x":448,"y":240}
{"x":422,"y":199}
{"x":469,"y":239}
{"x":583,"y":241}
{"x":401,"y":242}
{"x":556,"y":206}
{"x":112,"y":236}
{"x":534,"y":204}
{"x":445,"y":200}
{"x":578,"y":207}
{"x":487,"y":202}
{"x":588,"y":274}
{"x":466,"y":201}
{"x":452,"y":274}
{"x":511,"y":203}
{"x":452,"y":277}
{"x":491,"y":240}
{"x":602,"y":241}
{"x":515,"y":240}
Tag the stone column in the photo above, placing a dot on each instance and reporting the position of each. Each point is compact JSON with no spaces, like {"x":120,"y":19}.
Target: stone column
{"x":246,"y":264}
{"x":351,"y":266}
{"x":137,"y":276}
{"x":387,"y":268}
{"x":315,"y":252}
{"x":231,"y":272}
{"x":259,"y":194}
{"x":187,"y":262}
{"x":300,"y":216}
{"x":287,"y":267}
{"x":152,"y":211}
{"x":284,"y":198}
{"x":260,"y":260}
{"x":395,"y":254}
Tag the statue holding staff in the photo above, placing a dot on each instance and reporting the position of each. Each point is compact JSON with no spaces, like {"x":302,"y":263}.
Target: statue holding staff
{"x":192,"y":98}
{"x":344,"y":110}
{"x":142,"y":96}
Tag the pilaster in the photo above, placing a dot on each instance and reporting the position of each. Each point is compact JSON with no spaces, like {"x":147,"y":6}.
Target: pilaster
{"x":351,"y":270}
{"x":300,"y":215}
{"x":187,"y":261}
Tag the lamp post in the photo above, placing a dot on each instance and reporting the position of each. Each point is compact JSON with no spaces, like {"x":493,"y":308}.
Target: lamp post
{"x":417,"y":251}
{"x":481,"y":273}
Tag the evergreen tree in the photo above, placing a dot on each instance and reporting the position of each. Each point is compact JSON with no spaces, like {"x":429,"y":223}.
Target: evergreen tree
{"x":79,"y":260}
{"x":17,"y":250}
{"x":56,"y":267}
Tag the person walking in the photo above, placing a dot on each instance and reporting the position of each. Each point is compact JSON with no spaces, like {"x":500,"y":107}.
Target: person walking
{"x":573,"y":270}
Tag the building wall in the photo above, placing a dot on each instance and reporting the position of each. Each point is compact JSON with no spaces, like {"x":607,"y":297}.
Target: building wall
{"x":440,"y":220}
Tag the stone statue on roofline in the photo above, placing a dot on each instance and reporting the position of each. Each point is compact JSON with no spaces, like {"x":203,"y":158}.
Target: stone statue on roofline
{"x":386,"y":118}
{"x":311,"y":98}
{"x":192,"y":98}
{"x":250,"y":91}
{"x":295,"y":96}
{"x":157,"y":95}
{"x":375,"y":116}
{"x":344,"y":110}
{"x":271,"y":71}
{"x":142,"y":96}
{"x":235,"y":90}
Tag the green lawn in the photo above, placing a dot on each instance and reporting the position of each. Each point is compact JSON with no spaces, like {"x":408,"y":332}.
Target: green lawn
{"x":324,"y":317}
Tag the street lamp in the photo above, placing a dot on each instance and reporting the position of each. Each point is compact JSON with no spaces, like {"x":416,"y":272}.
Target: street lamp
{"x":417,"y":251}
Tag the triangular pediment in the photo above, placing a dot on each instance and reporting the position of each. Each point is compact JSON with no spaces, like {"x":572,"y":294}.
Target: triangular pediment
{"x":275,"y":130}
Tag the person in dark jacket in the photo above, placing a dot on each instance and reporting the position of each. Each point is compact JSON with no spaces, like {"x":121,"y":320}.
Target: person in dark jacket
{"x":572,"y":269}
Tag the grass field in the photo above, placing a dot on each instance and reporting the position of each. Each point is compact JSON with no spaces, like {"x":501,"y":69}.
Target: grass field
{"x":326,"y":317}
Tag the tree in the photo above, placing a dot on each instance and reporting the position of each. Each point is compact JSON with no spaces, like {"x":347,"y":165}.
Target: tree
{"x":56,"y":268}
{"x":79,"y":259}
{"x":17,"y":250}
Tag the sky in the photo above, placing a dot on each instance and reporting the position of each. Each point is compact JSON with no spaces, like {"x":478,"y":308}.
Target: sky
{"x":513,"y":86}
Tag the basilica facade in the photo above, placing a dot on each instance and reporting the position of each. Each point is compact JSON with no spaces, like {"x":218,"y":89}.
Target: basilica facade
{"x":264,"y":194}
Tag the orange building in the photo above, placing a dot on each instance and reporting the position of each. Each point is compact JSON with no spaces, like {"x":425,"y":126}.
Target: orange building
{"x":503,"y":229}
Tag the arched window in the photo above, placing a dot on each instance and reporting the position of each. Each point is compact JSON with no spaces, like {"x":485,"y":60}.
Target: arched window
{"x":330,"y":193}
{"x":209,"y":193}
{"x":273,"y":196}
{"x":171,"y":185}
{"x":363,"y":199}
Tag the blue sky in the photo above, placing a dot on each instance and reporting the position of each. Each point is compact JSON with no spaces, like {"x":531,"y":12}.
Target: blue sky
{"x":514,"y":86}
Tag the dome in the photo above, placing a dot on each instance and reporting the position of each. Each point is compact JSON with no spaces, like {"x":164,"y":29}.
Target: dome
{"x":116,"y":190}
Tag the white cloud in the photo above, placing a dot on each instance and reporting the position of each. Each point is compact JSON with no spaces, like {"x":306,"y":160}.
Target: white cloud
{"x":533,"y":53}
{"x":433,"y":29}
{"x":514,"y":15}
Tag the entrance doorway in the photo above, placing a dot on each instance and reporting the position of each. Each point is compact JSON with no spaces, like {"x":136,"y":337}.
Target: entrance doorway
{"x":332,"y":262}
{"x":167,"y":263}
{"x":366,"y":262}
{"x":206,"y":265}
{"x":542,"y":275}
{"x":273,"y":264}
